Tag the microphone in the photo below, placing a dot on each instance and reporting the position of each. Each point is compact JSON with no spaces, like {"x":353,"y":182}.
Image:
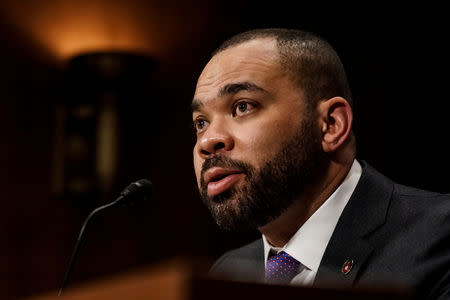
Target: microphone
{"x":135,"y":192}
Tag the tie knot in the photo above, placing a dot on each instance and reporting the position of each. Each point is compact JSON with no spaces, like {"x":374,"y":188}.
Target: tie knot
{"x":281,"y":268}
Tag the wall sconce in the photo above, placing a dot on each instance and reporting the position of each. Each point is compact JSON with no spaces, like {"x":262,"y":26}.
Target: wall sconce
{"x":96,"y":85}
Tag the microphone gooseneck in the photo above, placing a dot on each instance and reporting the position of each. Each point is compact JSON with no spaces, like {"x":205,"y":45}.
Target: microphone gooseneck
{"x":135,"y":192}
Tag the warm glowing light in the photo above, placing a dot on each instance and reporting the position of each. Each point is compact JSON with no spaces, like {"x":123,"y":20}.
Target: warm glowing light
{"x":70,"y":27}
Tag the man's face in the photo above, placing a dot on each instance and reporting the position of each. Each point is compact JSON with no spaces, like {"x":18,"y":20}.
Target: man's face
{"x":257,"y":143}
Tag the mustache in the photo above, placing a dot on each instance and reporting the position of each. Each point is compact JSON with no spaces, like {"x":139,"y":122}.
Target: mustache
{"x":225,"y":162}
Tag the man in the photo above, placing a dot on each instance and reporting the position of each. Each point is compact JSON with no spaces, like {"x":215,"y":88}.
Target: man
{"x":275,"y":151}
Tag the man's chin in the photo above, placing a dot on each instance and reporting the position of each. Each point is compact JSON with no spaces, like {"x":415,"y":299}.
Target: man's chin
{"x":227,"y":212}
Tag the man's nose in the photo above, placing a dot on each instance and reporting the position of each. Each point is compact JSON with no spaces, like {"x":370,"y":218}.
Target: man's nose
{"x":216,"y":139}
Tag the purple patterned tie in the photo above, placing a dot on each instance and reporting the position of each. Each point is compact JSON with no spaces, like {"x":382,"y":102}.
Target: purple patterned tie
{"x":281,"y":268}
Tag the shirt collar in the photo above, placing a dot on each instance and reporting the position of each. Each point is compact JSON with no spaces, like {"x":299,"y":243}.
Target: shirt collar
{"x":308,"y":244}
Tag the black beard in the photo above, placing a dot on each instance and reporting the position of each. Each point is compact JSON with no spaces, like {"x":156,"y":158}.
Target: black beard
{"x":269,"y":191}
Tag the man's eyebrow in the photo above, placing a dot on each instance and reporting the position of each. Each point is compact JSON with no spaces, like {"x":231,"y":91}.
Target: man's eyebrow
{"x":234,"y":88}
{"x":195,"y":105}
{"x":230,"y":89}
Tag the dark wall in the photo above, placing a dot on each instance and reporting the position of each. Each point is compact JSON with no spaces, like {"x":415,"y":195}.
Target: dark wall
{"x":396,"y":59}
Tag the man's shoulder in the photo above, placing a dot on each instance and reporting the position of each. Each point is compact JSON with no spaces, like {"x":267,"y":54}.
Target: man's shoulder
{"x":421,"y":209}
{"x":383,"y":203}
{"x":412,"y":197}
{"x":412,"y":193}
{"x":378,"y":181}
{"x":244,"y":263}
{"x":405,"y":231}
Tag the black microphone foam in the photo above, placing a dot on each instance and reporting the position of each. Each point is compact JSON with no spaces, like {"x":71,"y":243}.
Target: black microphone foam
{"x":137,"y":191}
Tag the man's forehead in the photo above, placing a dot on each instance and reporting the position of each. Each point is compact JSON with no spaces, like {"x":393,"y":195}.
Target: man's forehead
{"x":244,"y":62}
{"x":257,"y":50}
{"x":257,"y":46}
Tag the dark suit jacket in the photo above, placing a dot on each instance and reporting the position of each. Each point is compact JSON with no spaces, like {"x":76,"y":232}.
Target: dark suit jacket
{"x":396,"y":235}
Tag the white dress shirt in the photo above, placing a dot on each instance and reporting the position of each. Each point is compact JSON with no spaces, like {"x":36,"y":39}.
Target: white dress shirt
{"x":308,"y":244}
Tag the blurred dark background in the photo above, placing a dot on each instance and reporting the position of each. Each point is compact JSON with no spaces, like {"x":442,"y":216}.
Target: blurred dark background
{"x":96,"y":94}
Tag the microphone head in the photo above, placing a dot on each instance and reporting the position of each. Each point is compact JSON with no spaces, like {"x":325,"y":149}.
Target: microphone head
{"x":137,"y":191}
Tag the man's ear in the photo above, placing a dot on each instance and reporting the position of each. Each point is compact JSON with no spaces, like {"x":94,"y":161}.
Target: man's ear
{"x":336,"y":118}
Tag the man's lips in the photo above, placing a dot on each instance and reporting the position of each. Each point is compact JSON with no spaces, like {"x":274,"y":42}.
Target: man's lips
{"x":219,"y":180}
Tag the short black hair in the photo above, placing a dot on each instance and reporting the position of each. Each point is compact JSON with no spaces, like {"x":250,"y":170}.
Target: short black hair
{"x":309,"y":60}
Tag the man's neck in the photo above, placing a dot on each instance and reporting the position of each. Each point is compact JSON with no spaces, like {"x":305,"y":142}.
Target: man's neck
{"x":279,"y":231}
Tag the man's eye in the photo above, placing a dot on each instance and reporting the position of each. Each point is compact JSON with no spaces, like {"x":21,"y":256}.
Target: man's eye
{"x":243,"y":108}
{"x":200,"y":125}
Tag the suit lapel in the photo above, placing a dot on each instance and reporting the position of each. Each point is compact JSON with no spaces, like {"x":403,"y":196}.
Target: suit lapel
{"x":252,"y":265}
{"x":365,"y":212}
